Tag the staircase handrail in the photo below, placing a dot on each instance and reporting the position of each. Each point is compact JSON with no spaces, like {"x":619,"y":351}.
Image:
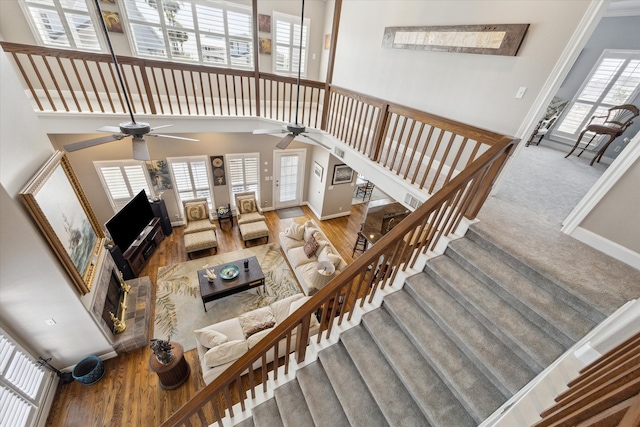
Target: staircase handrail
{"x":390,"y":247}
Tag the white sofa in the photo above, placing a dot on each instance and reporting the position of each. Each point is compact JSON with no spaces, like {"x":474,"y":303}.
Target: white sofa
{"x":293,"y":241}
{"x":221,"y":344}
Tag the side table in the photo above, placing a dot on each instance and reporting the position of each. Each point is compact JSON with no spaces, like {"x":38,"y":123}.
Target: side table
{"x":225,"y":214}
{"x":174,"y":374}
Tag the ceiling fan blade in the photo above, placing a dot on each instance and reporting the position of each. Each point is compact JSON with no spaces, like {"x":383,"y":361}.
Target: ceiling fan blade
{"x":140,"y":149}
{"x":110,"y":129}
{"x":160,"y":127}
{"x":284,"y":142}
{"x":173,"y":137}
{"x":269,"y":131}
{"x":312,"y":130}
{"x":92,"y":142}
{"x":322,"y":144}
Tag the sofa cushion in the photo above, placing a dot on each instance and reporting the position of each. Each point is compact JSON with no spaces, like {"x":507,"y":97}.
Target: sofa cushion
{"x":225,"y":353}
{"x":295,"y":231}
{"x":195,"y":211}
{"x":256,"y":320}
{"x":327,"y":255}
{"x":297,"y":257}
{"x":247,"y":204}
{"x":322,"y":242}
{"x":288,"y":243}
{"x":310,"y":247}
{"x":253,"y":339}
{"x":313,"y":279}
{"x":210,"y":338}
{"x":308,"y":232}
{"x":280,"y":308}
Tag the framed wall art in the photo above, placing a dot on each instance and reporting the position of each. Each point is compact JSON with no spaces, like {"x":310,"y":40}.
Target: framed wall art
{"x":60,"y":208}
{"x":342,"y":174}
{"x":217,"y":169}
{"x":159,"y":174}
{"x":318,"y":171}
{"x":264,"y":23}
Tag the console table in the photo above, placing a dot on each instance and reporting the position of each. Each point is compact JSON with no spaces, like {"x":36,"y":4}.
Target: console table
{"x":141,"y":250}
{"x":175,"y":373}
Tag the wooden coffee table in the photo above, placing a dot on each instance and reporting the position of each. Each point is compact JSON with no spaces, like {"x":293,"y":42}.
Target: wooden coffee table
{"x":221,"y":288}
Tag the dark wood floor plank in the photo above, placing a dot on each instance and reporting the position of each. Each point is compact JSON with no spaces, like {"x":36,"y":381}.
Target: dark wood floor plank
{"x":129,"y":393}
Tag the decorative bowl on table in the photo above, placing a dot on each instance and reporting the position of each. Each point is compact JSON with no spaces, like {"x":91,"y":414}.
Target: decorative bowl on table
{"x":229,"y":272}
{"x":223,"y":210}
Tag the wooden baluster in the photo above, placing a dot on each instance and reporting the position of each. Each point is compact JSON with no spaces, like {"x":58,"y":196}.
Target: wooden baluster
{"x":423,"y":152}
{"x":26,"y":79}
{"x":252,"y":382}
{"x":175,"y":87}
{"x":242,"y":94}
{"x":42,"y":85}
{"x":202,"y":418}
{"x":442,"y":163}
{"x":227,"y":400}
{"x":126,"y":85}
{"x":106,"y":88}
{"x":275,"y":360}
{"x":213,"y":107}
{"x":66,"y":79}
{"x":147,"y":89}
{"x":93,"y":85}
{"x":432,"y":157}
{"x":416,"y":148}
{"x":241,"y":394}
{"x":55,"y":83}
{"x":452,"y":167}
{"x":235,"y":95}
{"x":84,"y":92}
{"x":407,"y":142}
{"x":219,"y":94}
{"x":117,"y":86}
{"x":264,"y":372}
{"x":302,"y":339}
{"x":217,"y":414}
{"x":345,"y":301}
{"x":379,"y":134}
{"x":194,"y":88}
{"x":186,"y":92}
{"x":370,"y":141}
{"x":226,"y":92}
{"x":472,"y":156}
{"x":166,"y":88}
{"x":287,"y":354}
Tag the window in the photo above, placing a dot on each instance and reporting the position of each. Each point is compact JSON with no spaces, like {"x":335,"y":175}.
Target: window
{"x":614,"y":80}
{"x":63,"y":23}
{"x":244,"y":174}
{"x":287,"y":44}
{"x":191,"y":178}
{"x":209,"y":32}
{"x":23,"y":385}
{"x":122,"y":180}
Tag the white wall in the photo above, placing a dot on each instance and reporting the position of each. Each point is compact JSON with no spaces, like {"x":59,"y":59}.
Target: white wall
{"x":34,"y":286}
{"x":474,"y":89}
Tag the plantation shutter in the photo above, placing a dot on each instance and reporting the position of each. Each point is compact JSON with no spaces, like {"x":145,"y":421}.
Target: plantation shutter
{"x":122,"y":180}
{"x":243,"y":173}
{"x":23,"y":385}
{"x":191,"y":178}
{"x":287,"y":44}
{"x":614,"y":80}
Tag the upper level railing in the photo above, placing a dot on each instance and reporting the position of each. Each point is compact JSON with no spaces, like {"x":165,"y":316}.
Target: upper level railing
{"x":455,"y":163}
{"x":420,"y":148}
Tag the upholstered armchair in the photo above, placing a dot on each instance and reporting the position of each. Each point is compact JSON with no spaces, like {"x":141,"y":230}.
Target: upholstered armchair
{"x":196,"y":216}
{"x":247,"y":208}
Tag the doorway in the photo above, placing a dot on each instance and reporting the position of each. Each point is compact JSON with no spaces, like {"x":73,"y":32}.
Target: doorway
{"x":288,"y":177}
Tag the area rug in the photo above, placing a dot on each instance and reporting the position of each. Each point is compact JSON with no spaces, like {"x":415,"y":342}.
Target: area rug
{"x":289,"y":212}
{"x":179,"y":309}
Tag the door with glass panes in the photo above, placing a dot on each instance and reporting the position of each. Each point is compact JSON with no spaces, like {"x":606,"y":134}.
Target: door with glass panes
{"x":288,"y":173}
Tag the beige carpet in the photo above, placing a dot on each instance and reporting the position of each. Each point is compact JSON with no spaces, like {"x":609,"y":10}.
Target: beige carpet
{"x":179,"y":309}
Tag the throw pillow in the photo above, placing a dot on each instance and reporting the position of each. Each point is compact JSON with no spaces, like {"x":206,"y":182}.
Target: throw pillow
{"x":328,"y":255}
{"x":310,"y":247}
{"x":295,"y":231}
{"x":256,"y":321}
{"x":225,"y":353}
{"x":247,"y":205}
{"x":195,"y":211}
{"x":210,"y":338}
{"x":308,"y":232}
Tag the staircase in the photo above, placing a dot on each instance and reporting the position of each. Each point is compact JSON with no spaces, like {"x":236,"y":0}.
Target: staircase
{"x":448,"y":349}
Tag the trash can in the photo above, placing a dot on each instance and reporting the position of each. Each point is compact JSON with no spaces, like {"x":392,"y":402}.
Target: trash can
{"x":89,"y":371}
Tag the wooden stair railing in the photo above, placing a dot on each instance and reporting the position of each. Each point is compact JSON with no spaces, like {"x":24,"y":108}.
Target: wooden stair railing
{"x":423,"y":149}
{"x":375,"y":269}
{"x":606,"y":393}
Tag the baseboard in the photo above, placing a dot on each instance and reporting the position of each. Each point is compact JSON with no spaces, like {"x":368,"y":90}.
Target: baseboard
{"x":610,"y":248}
{"x":338,"y":215}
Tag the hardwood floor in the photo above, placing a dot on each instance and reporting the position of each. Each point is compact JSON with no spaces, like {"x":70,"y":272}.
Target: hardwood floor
{"x":129,"y":394}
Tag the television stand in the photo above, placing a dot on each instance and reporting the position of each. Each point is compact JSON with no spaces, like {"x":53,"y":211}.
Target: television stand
{"x":141,"y":250}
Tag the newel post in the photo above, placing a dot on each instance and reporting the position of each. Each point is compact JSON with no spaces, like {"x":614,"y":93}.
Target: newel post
{"x":303,"y":337}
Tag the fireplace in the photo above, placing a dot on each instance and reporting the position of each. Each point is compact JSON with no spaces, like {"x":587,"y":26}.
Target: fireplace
{"x":109,"y":293}
{"x":113,"y":304}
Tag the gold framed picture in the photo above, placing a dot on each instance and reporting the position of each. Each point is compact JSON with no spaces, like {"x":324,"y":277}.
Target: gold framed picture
{"x":60,"y":208}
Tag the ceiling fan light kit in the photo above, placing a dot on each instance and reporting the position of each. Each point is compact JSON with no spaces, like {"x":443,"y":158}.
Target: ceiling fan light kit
{"x":134,"y":129}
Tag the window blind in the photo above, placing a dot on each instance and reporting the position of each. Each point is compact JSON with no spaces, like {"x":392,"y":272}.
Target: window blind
{"x":122,"y":180}
{"x":243,"y":173}
{"x":192,"y":179}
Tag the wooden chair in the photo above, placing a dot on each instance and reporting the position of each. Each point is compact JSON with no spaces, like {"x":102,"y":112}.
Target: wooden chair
{"x":615,"y":122}
{"x":541,"y":130}
{"x":365,"y":190}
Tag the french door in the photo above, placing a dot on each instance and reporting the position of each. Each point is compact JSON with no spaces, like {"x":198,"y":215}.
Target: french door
{"x":288,"y":170}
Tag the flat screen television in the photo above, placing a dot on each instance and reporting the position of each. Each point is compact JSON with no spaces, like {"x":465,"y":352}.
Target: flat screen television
{"x":125,"y":226}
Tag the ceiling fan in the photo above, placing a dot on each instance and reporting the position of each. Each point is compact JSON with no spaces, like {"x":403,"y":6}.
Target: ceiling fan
{"x":293,"y":129}
{"x":136,"y":130}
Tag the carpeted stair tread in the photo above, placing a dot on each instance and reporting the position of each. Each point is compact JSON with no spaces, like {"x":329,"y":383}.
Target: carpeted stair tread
{"x":323,"y":404}
{"x":292,"y":405}
{"x":436,"y":401}
{"x":246,"y":423}
{"x":476,"y":393}
{"x":267,"y":414}
{"x":550,"y":312}
{"x":508,"y":372}
{"x":527,"y":340}
{"x":358,"y":404}
{"x":393,"y":399}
